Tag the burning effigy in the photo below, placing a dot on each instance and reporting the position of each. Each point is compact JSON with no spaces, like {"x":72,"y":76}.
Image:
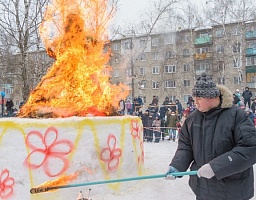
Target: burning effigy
{"x":77,"y":84}
{"x":67,"y":132}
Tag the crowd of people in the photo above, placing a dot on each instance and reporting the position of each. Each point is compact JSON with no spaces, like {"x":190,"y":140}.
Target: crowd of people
{"x":246,"y":102}
{"x":165,"y":120}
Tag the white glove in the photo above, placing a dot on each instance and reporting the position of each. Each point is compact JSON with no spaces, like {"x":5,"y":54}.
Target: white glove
{"x":168,"y":175}
{"x":205,"y":171}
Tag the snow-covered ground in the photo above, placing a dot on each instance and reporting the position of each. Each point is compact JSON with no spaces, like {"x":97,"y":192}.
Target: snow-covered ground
{"x":157,"y":158}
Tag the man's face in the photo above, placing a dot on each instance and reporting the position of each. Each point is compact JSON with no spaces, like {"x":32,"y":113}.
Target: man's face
{"x":205,"y":104}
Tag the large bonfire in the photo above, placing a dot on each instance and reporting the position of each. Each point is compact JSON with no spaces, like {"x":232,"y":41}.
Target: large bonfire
{"x":74,"y":32}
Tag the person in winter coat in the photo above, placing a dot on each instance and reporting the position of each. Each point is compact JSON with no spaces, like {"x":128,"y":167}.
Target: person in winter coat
{"x":179,"y":106}
{"x":157,"y":129}
{"x":150,"y":129}
{"x":250,"y":114}
{"x":144,"y":119}
{"x":9,"y":107}
{"x":247,"y":95}
{"x":128,"y":106}
{"x":121,"y":107}
{"x":217,"y":140}
{"x":253,"y":106}
{"x":171,"y":121}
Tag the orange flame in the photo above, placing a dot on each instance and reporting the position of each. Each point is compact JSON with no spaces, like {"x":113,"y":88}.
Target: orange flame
{"x":62,"y":180}
{"x":74,"y":33}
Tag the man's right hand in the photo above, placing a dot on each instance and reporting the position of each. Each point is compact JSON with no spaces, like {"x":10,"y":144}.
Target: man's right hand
{"x":168,"y":175}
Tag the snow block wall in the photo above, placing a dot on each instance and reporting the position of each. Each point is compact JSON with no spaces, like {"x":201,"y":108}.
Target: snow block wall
{"x":67,"y":151}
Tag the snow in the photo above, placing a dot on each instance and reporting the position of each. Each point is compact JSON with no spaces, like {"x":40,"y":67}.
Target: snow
{"x":157,"y":159}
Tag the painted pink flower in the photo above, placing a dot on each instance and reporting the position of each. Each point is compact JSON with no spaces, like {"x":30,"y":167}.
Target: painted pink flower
{"x":6,"y":184}
{"x":111,"y":154}
{"x":48,"y":152}
{"x":135,"y":129}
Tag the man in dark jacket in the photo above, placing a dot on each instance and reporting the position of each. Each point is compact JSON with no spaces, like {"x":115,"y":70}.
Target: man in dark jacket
{"x":218,"y":140}
{"x":247,"y":95}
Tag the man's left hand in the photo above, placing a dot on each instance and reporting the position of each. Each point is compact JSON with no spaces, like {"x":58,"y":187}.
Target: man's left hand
{"x":205,"y":171}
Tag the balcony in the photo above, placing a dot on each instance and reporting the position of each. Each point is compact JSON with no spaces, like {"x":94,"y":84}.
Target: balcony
{"x":203,"y":56}
{"x":251,"y":85}
{"x":251,"y":69}
{"x":250,"y":51}
{"x":207,"y":40}
{"x":250,"y":35}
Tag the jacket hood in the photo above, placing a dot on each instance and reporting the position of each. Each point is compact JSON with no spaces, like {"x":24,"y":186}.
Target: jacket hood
{"x":226,"y":97}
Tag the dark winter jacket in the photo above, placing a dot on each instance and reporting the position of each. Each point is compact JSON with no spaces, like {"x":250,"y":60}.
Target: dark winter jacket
{"x":247,"y":94}
{"x":253,"y":107}
{"x":9,"y":104}
{"x":225,"y":138}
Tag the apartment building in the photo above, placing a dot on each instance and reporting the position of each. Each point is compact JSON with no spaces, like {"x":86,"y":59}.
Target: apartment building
{"x":168,"y":64}
{"x":164,"y":64}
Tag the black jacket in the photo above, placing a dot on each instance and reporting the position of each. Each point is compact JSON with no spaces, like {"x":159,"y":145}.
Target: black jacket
{"x":247,"y":94}
{"x":225,"y":138}
{"x":253,"y":107}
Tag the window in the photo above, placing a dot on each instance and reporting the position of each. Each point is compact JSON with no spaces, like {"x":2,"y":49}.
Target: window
{"x":155,"y":85}
{"x":8,"y":90}
{"x":220,"y":49}
{"x":155,"y":70}
{"x":155,"y":42}
{"x":236,"y":80}
{"x":169,"y":69}
{"x":142,"y":57}
{"x":169,"y":54}
{"x":172,"y":98}
{"x":186,"y":52}
{"x":236,"y":63}
{"x":221,"y":65}
{"x":253,"y":79}
{"x":128,"y":72}
{"x":221,"y":81}
{"x":127,"y":45}
{"x":250,"y":60}
{"x":142,"y":70}
{"x":202,"y":35}
{"x":186,"y":38}
{"x":186,"y":83}
{"x":186,"y":67}
{"x":236,"y":47}
{"x":202,"y":67}
{"x":169,"y":84}
{"x":143,"y":84}
{"x":116,"y":73}
{"x":252,"y":45}
{"x":143,"y":43}
{"x":236,"y":31}
{"x":155,"y":56}
{"x":185,"y":98}
{"x":116,"y":47}
{"x":169,"y":39}
{"x":220,"y":33}
{"x":202,"y":50}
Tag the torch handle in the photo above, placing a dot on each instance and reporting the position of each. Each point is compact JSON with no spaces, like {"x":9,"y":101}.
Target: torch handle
{"x":47,"y":188}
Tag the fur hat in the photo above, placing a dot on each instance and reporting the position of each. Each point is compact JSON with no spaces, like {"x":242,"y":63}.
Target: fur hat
{"x":205,"y":87}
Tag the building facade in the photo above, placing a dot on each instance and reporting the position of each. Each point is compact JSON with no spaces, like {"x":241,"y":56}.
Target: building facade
{"x":162,"y":65}
{"x":168,"y":64}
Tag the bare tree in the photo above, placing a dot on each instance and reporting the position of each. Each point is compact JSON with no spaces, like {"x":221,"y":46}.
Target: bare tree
{"x":19,"y":21}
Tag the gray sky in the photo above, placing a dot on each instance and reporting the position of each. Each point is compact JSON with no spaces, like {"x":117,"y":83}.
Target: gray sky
{"x":129,"y":10}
